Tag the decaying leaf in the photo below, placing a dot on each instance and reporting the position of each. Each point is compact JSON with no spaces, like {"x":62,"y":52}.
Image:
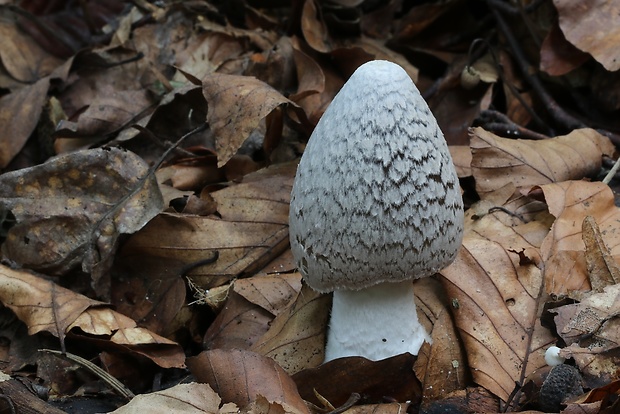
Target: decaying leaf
{"x":581,"y":23}
{"x":251,"y":229}
{"x":593,"y":324}
{"x":498,"y":161}
{"x":336,"y":380}
{"x":21,"y":110}
{"x":591,"y":329}
{"x":442,"y":367}
{"x":71,"y":210}
{"x":44,"y":306}
{"x":602,"y":268}
{"x":242,"y":377}
{"x":563,"y":249}
{"x":237,"y":104}
{"x":296,"y":337}
{"x":497,"y":295}
{"x":191,"y":398}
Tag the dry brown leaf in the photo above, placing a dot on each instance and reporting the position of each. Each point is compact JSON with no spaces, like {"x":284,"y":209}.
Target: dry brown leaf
{"x":602,"y":268}
{"x":296,"y":337}
{"x":88,"y":204}
{"x":108,"y":113}
{"x":593,"y":324}
{"x":391,"y":408}
{"x":22,"y":57}
{"x":581,"y":21}
{"x":271,"y":292}
{"x":313,"y":27}
{"x":242,"y":377}
{"x":558,"y":56}
{"x":193,"y":398}
{"x":563,"y":248}
{"x":44,"y":306}
{"x":392,"y":378}
{"x":238,"y":326}
{"x":441,"y":367}
{"x":496,"y":297}
{"x":252,"y":229}
{"x":591,"y":328}
{"x":237,"y":105}
{"x":19,"y":114}
{"x":498,"y":161}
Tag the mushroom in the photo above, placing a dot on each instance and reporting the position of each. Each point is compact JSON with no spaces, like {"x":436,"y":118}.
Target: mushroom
{"x":375,"y":204}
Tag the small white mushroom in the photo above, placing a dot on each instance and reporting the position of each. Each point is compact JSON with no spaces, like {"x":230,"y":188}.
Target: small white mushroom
{"x":376,"y":203}
{"x":552,"y":356}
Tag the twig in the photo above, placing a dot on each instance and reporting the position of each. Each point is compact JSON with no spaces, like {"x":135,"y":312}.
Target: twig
{"x":115,"y":384}
{"x":554,"y":109}
{"x":500,"y":124}
{"x":610,"y":175}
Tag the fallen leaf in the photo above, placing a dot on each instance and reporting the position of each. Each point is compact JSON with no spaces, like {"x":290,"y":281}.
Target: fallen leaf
{"x":336,"y":380}
{"x":593,"y":324}
{"x":237,"y":104}
{"x":563,"y":250}
{"x":442,"y":367}
{"x":498,"y":161}
{"x":242,"y":377}
{"x":296,"y":337}
{"x":581,"y":22}
{"x":249,"y":231}
{"x":44,"y":306}
{"x":193,"y":398}
{"x":22,"y":57}
{"x":91,"y":197}
{"x":496,"y":300}
{"x":238,"y":326}
{"x":602,"y":268}
{"x":558,"y":56}
{"x":20,"y":112}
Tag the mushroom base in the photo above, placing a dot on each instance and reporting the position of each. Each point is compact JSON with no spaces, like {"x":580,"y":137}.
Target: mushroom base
{"x":375,"y":323}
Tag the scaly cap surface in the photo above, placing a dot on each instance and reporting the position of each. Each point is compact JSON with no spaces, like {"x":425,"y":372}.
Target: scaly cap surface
{"x":376,"y":197}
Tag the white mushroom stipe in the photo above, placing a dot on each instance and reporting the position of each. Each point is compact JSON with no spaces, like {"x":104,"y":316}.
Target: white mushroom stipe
{"x":552,"y":356}
{"x":376,"y":200}
{"x":381,"y":320}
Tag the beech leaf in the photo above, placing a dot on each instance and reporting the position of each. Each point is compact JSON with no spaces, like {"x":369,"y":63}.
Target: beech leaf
{"x":563,"y":249}
{"x":71,"y":210}
{"x":242,"y":377}
{"x":44,"y":306}
{"x":237,"y":104}
{"x":496,"y":297}
{"x":499,"y":161}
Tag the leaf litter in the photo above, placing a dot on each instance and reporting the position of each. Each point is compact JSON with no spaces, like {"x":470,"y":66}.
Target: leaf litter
{"x":96,"y":264}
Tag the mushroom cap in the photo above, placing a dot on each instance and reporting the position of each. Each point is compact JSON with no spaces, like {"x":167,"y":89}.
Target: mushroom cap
{"x":376,"y":197}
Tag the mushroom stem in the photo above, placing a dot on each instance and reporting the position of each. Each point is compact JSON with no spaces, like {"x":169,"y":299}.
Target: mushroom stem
{"x":377,"y":322}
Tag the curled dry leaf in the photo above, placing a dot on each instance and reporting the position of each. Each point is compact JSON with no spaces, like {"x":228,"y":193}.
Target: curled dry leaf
{"x":563,"y":249}
{"x":335,"y":381}
{"x":441,"y":368}
{"x":19,"y":114}
{"x":242,"y":377}
{"x":44,"y":306}
{"x":71,"y":210}
{"x":602,"y":267}
{"x":496,"y":296}
{"x":238,"y":325}
{"x":237,"y":104}
{"x":191,"y":398}
{"x":252,"y":229}
{"x":296,"y":337}
{"x":498,"y":161}
{"x":593,"y":324}
{"x":581,"y":23}
{"x":591,"y":328}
